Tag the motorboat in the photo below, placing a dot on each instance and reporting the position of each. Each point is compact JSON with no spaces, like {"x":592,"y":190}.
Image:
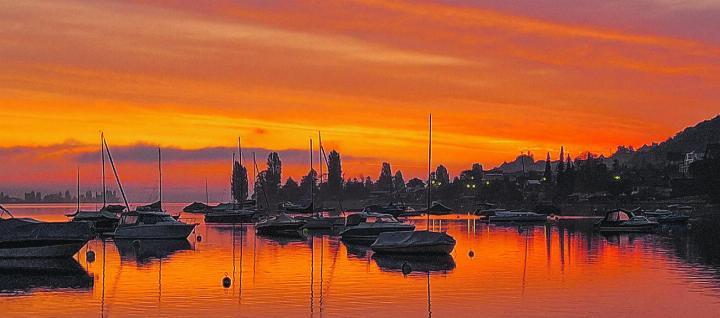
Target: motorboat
{"x":281,"y":225}
{"x":625,"y":221}
{"x":414,"y":242}
{"x":151,"y":225}
{"x":501,"y":215}
{"x":322,"y":222}
{"x":229,"y":214}
{"x":666,"y":216}
{"x":30,"y":238}
{"x":393,"y":209}
{"x":365,"y":227}
{"x":104,"y":220}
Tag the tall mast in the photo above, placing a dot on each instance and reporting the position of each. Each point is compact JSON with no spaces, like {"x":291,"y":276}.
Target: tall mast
{"x":78,"y":188}
{"x":429,"y":194}
{"x":312,"y":185}
{"x":232,"y":179}
{"x":102,"y":155}
{"x":255,"y":181}
{"x":242,"y":202}
{"x":117,"y":178}
{"x":160,"y":177}
{"x":320,"y":163}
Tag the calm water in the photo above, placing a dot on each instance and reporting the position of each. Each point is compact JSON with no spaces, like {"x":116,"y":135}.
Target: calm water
{"x":546,"y":270}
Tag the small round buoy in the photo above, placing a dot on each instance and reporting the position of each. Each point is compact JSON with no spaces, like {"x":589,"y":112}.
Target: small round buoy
{"x":199,"y":238}
{"x":406,"y":269}
{"x":226,"y":281}
{"x":471,"y":254}
{"x":90,"y":256}
{"x":136,"y":244}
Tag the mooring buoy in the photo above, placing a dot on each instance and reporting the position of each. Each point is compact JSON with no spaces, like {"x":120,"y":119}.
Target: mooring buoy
{"x":226,"y":281}
{"x":471,"y":254}
{"x":90,"y":256}
{"x":199,"y":238}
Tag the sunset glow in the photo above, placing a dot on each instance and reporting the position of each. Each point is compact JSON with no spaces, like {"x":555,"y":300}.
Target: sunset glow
{"x":499,"y":79}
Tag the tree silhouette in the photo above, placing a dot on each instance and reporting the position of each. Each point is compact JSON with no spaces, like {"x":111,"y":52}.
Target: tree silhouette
{"x":385,"y":181}
{"x":398,"y":180}
{"x":334,"y":180}
{"x":273,"y":175}
{"x":239,"y":183}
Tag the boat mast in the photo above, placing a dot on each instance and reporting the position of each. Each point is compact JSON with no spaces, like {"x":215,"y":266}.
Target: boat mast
{"x":312,"y":185}
{"x":429,"y":193}
{"x":320,"y":163}
{"x":102,"y":155}
{"x":241,"y":165}
{"x":160,"y":177}
{"x":117,"y":178}
{"x":78,"y":188}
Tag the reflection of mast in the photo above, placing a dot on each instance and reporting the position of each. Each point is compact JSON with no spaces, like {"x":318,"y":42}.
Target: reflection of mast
{"x":525,"y":261}
{"x":322,"y":247}
{"x":429,"y":304}
{"x":102,"y":297}
{"x":312,"y":273}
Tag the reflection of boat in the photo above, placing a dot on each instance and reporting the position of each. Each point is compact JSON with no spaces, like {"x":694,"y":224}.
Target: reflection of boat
{"x":365,"y":227}
{"x":151,"y":225}
{"x":414,"y":242}
{"x":23,"y":275}
{"x":24,"y":237}
{"x":357,"y":250}
{"x":625,"y":221}
{"x":142,"y":250}
{"x":280,"y":224}
{"x":414,"y":263}
{"x":501,"y":215}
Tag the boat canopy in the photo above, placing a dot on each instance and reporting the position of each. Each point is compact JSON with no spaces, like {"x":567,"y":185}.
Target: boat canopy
{"x":196,"y":206}
{"x":26,"y":229}
{"x":412,"y":239}
{"x":357,"y":218}
{"x":618,"y":216}
{"x":439,"y":209}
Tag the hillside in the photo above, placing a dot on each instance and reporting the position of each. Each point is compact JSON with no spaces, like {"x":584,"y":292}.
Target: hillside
{"x":694,"y":138}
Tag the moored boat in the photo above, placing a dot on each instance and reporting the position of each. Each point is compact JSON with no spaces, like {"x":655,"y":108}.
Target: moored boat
{"x":30,"y":238}
{"x":281,"y":225}
{"x":625,"y":221}
{"x":501,"y":215}
{"x":414,"y":242}
{"x":365,"y":227}
{"x":151,"y":225}
{"x":104,"y":221}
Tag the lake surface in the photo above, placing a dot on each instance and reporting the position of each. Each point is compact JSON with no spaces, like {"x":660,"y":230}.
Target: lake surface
{"x":559,"y":270}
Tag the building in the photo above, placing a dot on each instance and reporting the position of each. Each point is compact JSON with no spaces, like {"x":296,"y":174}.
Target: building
{"x":690,"y":157}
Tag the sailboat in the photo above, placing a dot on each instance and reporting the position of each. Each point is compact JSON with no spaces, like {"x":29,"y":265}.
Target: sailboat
{"x":230,"y":213}
{"x":416,"y":242}
{"x":106,"y":219}
{"x":318,"y":221}
{"x":150,"y":222}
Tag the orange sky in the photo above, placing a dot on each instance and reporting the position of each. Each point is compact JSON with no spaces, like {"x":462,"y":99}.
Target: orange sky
{"x":499,"y":78}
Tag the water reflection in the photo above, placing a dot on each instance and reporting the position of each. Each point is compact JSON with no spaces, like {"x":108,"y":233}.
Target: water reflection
{"x":32,"y":275}
{"x":501,"y":270}
{"x":414,"y":263}
{"x":145,"y":250}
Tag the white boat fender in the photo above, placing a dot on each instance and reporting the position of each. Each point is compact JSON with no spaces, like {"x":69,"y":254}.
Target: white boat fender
{"x":136,"y":244}
{"x":90,"y":256}
{"x":226,"y":281}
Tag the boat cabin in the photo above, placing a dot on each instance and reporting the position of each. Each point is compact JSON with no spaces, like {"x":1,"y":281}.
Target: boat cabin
{"x":143,"y":218}
{"x":357,"y":218}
